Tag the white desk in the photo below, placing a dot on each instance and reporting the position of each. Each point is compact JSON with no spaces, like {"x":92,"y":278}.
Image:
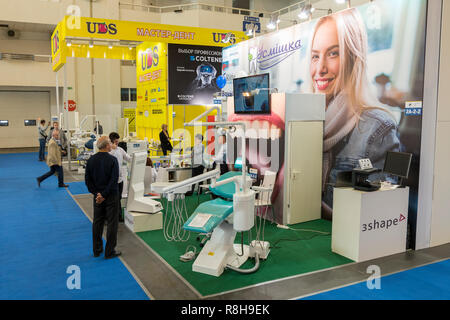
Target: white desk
{"x":369,"y":225}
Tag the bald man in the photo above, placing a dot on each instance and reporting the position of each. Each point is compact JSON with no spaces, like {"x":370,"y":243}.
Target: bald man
{"x":101,"y":177}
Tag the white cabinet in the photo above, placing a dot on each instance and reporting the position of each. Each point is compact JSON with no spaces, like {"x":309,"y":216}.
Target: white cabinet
{"x":369,"y":225}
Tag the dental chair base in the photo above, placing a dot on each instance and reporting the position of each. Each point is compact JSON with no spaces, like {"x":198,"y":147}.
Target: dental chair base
{"x":220,"y":251}
{"x":262,"y":248}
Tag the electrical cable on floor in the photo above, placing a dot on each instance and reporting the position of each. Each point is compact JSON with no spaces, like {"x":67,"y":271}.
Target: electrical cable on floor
{"x":279,"y":240}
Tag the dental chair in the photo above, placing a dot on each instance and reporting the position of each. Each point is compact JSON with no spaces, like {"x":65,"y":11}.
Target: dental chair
{"x":223,"y":217}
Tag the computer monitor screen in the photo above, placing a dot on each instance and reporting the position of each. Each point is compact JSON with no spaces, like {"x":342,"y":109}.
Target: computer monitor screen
{"x":397,"y":163}
{"x":252,"y":94}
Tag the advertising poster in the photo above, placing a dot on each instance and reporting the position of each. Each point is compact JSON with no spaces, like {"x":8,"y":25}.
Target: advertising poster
{"x":192,"y":74}
{"x":130,"y":114}
{"x":151,"y":88}
{"x":369,"y":62}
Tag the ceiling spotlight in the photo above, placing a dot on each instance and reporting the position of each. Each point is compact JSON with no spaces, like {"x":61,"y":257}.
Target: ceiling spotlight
{"x":91,"y":44}
{"x":271,"y":25}
{"x":250,"y":30}
{"x":306,"y":12}
{"x":110,"y":46}
{"x":303,"y":15}
{"x":69,"y":43}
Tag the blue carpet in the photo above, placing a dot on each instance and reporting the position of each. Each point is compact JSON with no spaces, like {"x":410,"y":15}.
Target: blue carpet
{"x":78,"y":188}
{"x":431,"y":282}
{"x":42,"y":233}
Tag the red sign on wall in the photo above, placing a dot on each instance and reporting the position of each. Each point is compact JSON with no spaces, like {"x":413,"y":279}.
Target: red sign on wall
{"x":72,"y":105}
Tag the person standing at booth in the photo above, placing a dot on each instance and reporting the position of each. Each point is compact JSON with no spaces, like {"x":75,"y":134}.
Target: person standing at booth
{"x":165,"y":140}
{"x":220,"y":157}
{"x":356,"y":126}
{"x":197,"y":159}
{"x":100,"y":128}
{"x":101,"y":176}
{"x":121,"y":156}
{"x":42,"y":138}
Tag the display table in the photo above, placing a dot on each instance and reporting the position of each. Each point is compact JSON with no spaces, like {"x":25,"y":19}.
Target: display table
{"x":369,"y":225}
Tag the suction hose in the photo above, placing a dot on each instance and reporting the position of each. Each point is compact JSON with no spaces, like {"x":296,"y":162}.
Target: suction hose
{"x":247,"y":271}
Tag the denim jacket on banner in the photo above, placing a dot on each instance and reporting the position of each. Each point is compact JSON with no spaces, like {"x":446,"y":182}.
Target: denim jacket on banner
{"x":375,"y":134}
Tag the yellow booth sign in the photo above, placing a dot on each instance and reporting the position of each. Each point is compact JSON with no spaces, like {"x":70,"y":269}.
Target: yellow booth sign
{"x":105,"y":29}
{"x":151,"y":88}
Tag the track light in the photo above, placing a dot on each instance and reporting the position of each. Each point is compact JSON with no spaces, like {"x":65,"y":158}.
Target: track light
{"x":110,"y":46}
{"x":91,"y":44}
{"x":250,"y":30}
{"x":273,"y":23}
{"x":306,"y":12}
{"x":69,"y":43}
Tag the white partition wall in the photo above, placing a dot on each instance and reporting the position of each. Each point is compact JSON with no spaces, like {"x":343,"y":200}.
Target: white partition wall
{"x":440,"y":220}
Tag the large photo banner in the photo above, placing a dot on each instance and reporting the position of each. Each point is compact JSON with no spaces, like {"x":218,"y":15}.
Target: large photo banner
{"x":193,"y":71}
{"x":369,"y":62}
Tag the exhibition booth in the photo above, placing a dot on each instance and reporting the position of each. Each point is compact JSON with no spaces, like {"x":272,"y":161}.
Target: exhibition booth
{"x":321,"y":126}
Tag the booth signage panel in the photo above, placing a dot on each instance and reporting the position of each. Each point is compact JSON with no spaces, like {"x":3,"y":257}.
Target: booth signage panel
{"x":58,"y":47}
{"x":151,"y":86}
{"x":105,"y":29}
{"x":138,"y":31}
{"x":193,"y":71}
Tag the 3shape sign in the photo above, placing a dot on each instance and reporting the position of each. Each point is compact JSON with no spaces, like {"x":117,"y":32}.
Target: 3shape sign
{"x":402,"y":217}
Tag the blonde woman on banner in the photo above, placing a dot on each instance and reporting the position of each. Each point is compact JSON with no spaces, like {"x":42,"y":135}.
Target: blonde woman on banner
{"x":356,"y":127}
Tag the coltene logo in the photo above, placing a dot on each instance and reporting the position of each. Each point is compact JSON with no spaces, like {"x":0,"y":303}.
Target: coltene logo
{"x":383,"y":224}
{"x":101,"y":28}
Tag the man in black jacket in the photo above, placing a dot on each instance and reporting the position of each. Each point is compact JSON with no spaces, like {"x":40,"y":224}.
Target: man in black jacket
{"x":102,"y":174}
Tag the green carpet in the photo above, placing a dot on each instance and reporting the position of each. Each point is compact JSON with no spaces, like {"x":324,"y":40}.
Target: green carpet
{"x":292,"y":253}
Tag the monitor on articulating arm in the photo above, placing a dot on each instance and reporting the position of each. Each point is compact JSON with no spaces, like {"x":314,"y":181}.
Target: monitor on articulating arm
{"x":136,"y":201}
